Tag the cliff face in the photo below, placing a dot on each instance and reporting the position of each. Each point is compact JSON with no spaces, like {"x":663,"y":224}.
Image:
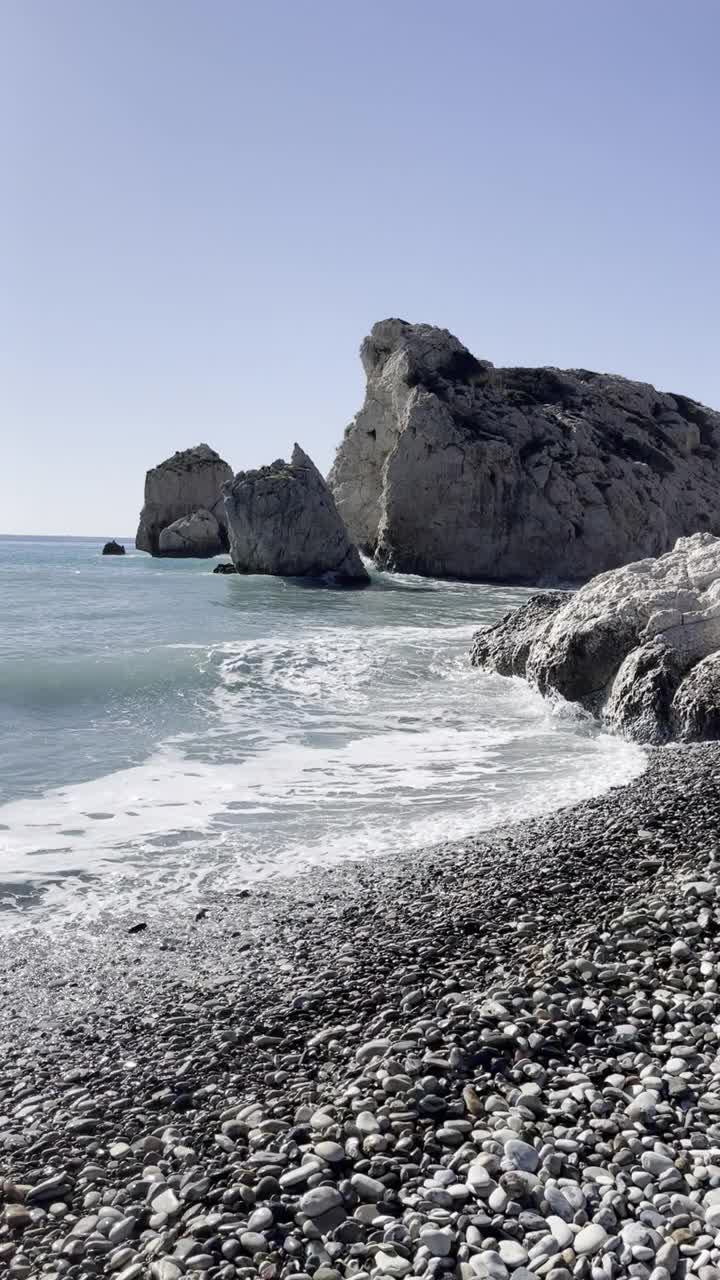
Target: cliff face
{"x":188,"y":483}
{"x":282,"y":520}
{"x":456,"y":468}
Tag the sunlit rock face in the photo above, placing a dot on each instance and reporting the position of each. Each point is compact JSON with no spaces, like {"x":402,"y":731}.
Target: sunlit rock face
{"x":455,"y":468}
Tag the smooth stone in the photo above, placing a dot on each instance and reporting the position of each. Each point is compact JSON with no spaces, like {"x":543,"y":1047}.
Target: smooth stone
{"x":320,"y":1200}
{"x":372,"y":1049}
{"x":391,"y":1264}
{"x":437,"y":1241}
{"x":368,"y":1188}
{"x":167,"y":1202}
{"x":512,"y":1253}
{"x":521,"y":1155}
{"x":590,"y":1239}
{"x":560,"y":1230}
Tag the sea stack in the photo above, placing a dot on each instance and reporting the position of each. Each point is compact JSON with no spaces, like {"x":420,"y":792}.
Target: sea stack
{"x":456,"y":468}
{"x":282,"y":519}
{"x":638,"y":646}
{"x":183,"y":513}
{"x":113,"y":548}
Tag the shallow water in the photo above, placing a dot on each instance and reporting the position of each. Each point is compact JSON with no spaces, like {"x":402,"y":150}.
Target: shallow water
{"x":168,"y":732}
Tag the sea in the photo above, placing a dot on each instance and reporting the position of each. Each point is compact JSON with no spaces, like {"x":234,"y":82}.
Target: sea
{"x":169,"y":734}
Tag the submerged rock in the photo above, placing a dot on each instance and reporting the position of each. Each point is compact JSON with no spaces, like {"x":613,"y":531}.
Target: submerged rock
{"x":187,"y":484}
{"x":455,"y":468}
{"x":282,"y":520}
{"x":639,"y":645}
{"x":113,"y":548}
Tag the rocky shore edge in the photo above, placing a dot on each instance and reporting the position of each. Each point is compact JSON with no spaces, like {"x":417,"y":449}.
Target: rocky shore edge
{"x":497,"y":1057}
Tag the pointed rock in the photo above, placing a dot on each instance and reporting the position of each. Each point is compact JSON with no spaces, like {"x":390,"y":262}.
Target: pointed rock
{"x":282,"y":520}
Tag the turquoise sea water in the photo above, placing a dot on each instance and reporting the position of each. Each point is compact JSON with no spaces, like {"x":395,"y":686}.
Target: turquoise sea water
{"x":167,"y":732}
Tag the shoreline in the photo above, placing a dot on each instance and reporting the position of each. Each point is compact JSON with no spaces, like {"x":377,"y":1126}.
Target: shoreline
{"x":177,"y":1055}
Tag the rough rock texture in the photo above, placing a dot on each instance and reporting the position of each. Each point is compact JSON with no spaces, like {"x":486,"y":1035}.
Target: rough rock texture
{"x":696,"y":705}
{"x":113,"y":549}
{"x":225,"y":567}
{"x":189,"y":482}
{"x":282,"y":520}
{"x":196,"y":535}
{"x":455,"y":468}
{"x":506,"y":645}
{"x":638,"y":645}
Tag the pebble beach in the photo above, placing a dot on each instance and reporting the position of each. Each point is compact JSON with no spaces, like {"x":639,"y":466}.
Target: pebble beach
{"x":494,"y":1058}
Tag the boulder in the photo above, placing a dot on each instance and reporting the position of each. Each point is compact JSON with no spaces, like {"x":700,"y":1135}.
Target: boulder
{"x":505,"y":646}
{"x":197,"y":535}
{"x":459,"y":469}
{"x":190,"y":481}
{"x":226,"y":567}
{"x":639,"y":646}
{"x":113,"y":548}
{"x":282,"y":520}
{"x":695,"y":709}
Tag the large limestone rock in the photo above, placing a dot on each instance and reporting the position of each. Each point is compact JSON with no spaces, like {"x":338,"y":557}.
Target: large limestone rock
{"x":282,"y":520}
{"x":639,"y":646}
{"x":196,"y":535}
{"x":455,"y":468}
{"x":188,"y":483}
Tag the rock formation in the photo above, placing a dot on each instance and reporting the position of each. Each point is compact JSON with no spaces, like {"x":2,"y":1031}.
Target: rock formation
{"x":282,"y":520}
{"x":189,"y":484}
{"x":455,"y":468}
{"x":639,"y":646}
{"x":113,"y":548}
{"x":197,"y":535}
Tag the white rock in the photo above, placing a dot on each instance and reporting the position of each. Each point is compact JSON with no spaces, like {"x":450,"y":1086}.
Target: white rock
{"x":598,"y":647}
{"x":366,"y":1123}
{"x":512,"y":1253}
{"x":166,"y":1202}
{"x":437,"y":1241}
{"x":488,"y":1265}
{"x":391,"y":1264}
{"x":590,"y":1239}
{"x":479,"y":1180}
{"x":712,"y":1217}
{"x":561,"y":1231}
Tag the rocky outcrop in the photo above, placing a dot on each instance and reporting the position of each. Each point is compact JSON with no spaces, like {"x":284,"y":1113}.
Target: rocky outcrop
{"x":639,"y":646}
{"x":197,"y":535}
{"x":282,"y":520}
{"x":456,"y":468}
{"x":696,"y":705}
{"x":113,"y":548}
{"x":226,"y":567}
{"x":188,"y":484}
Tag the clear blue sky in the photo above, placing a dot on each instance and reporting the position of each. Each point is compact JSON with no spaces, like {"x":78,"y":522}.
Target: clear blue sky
{"x":207,"y":203}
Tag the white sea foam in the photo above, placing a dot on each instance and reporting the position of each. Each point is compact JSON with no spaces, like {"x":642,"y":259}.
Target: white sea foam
{"x":321,"y":750}
{"x":172,"y":733}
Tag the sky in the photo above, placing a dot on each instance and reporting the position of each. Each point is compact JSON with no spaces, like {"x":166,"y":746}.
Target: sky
{"x":208,"y":203}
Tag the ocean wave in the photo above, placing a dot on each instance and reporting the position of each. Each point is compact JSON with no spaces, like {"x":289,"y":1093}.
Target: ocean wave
{"x":38,"y":681}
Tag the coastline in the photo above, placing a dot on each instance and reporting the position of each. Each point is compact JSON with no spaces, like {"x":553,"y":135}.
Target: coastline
{"x":194,"y":1045}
